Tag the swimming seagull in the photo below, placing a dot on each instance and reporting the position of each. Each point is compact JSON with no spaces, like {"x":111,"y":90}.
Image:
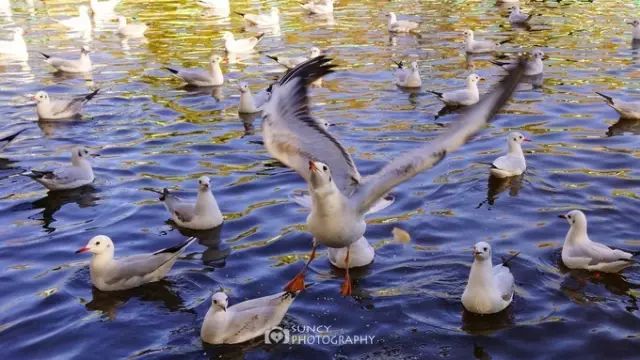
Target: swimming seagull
{"x":81,"y":65}
{"x":534,"y":65}
{"x":340,"y":197}
{"x":271,"y":19}
{"x":242,"y":45}
{"x":323,"y":7}
{"x":204,"y":214}
{"x":512,"y":164}
{"x":400,"y":26}
{"x":579,"y":252}
{"x":291,"y":62}
{"x":635,"y":35}
{"x":109,"y":274}
{"x":473,"y":46}
{"x":626,"y":109}
{"x":8,"y":137}
{"x":213,"y":4}
{"x":250,"y":104}
{"x":517,"y":17}
{"x":58,"y":109}
{"x":490,"y":288}
{"x":224,"y":324}
{"x":408,"y":78}
{"x":135,"y":30}
{"x":103,"y":8}
{"x":78,"y":174}
{"x":462,"y":97}
{"x":200,"y":77}
{"x":80,"y":23}
{"x":15,"y":47}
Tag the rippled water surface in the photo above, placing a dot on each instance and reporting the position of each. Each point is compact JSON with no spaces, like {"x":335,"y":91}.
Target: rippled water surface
{"x":151,"y":132}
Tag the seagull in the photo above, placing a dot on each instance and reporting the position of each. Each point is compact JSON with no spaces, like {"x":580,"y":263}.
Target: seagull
{"x":579,"y":252}
{"x":636,"y":29}
{"x":244,"y":321}
{"x":204,"y":214}
{"x":271,"y":19}
{"x":80,"y":23}
{"x":462,"y":97}
{"x":213,"y":4}
{"x":319,"y":8}
{"x":400,"y":26}
{"x":57,"y":109}
{"x":136,"y":30}
{"x":78,"y":174}
{"x":16,"y":47}
{"x":408,"y":78}
{"x":291,"y":62}
{"x":250,"y":104}
{"x":534,"y":65}
{"x":340,"y":197}
{"x":81,"y":65}
{"x":361,"y":253}
{"x":518,"y":18}
{"x":473,"y":46}
{"x":512,"y":164}
{"x":242,"y":45}
{"x":626,"y":109}
{"x":109,"y":274}
{"x":8,"y":137}
{"x":490,"y":288}
{"x":200,"y":77}
{"x":103,"y":8}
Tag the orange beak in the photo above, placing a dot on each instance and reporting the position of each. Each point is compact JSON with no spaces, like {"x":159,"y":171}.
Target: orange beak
{"x":527,"y":140}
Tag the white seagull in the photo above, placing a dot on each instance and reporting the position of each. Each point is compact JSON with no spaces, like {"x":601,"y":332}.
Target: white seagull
{"x":15,"y":47}
{"x":626,"y":109}
{"x":400,"y":26}
{"x":135,"y":30}
{"x":291,"y":62}
{"x":199,"y":77}
{"x":579,"y":252}
{"x":267,"y":20}
{"x":78,"y":174}
{"x":635,"y":35}
{"x":323,"y":7}
{"x":340,"y":196}
{"x":242,"y":45}
{"x":103,"y":8}
{"x":80,"y":23}
{"x":213,"y":4}
{"x":81,"y":65}
{"x":224,"y":324}
{"x":250,"y":104}
{"x":58,"y":109}
{"x":512,"y":164}
{"x":518,"y":18}
{"x":462,"y":97}
{"x":408,"y":78}
{"x":534,"y":65}
{"x":109,"y":274}
{"x":473,"y":46}
{"x":204,"y":214}
{"x":490,"y":288}
{"x":8,"y":137}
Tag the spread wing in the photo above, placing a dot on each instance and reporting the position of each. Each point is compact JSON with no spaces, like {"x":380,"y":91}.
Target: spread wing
{"x":412,"y":163}
{"x":294,"y":137}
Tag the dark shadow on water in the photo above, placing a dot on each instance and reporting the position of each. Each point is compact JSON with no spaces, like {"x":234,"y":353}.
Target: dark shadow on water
{"x":213,"y":91}
{"x":49,"y":128}
{"x":496,"y":186}
{"x":624,"y":126}
{"x":108,"y":302}
{"x":84,"y":197}
{"x":480,"y":353}
{"x":236,"y":351}
{"x":216,"y":252}
{"x":477,"y":324}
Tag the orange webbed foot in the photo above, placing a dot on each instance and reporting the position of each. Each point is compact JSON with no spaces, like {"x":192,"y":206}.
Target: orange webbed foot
{"x":296,"y":284}
{"x":345,"y":289}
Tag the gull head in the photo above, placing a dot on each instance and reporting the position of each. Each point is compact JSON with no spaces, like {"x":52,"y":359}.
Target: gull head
{"x":482,"y":251}
{"x":79,"y":154}
{"x":315,"y":52}
{"x":392,"y":17}
{"x":243,"y":87}
{"x":97,"y":245}
{"x":472,"y":80}
{"x":204,"y":183}
{"x":216,"y":59}
{"x":83,"y":10}
{"x":122,"y":21}
{"x":41,"y":97}
{"x":575,"y":218}
{"x":275,"y":11}
{"x":226,"y":35}
{"x":219,"y":301}
{"x":320,"y":174}
{"x":85,"y":50}
{"x":414,"y":65}
{"x":538,"y":54}
{"x":634,"y":23}
{"x":516,"y":138}
{"x":468,"y":34}
{"x":515,"y":9}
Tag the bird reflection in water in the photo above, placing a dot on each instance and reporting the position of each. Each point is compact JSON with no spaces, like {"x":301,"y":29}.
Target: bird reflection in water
{"x":498,"y":185}
{"x":108,"y":302}
{"x":624,"y":126}
{"x":248,"y":123}
{"x":84,"y":197}
{"x":216,"y":252}
{"x":484,"y":324}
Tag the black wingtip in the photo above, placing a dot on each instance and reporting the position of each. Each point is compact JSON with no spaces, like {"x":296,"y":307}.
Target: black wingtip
{"x":608,"y":98}
{"x":504,"y":41}
{"x":239,"y":13}
{"x":174,"y":71}
{"x":164,"y":194}
{"x":506,"y":261}
{"x":91,"y":95}
{"x":45,"y":55}
{"x":274,"y":58}
{"x":399,"y":63}
{"x":260,"y":36}
{"x":310,"y":70}
{"x":436,"y":93}
{"x":177,"y":248}
{"x":498,"y":63}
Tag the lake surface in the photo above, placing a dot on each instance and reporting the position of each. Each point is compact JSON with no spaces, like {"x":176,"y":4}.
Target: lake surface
{"x":151,"y":132}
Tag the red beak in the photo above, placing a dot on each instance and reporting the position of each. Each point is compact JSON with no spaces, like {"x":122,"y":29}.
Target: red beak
{"x":82,"y":249}
{"x":312,"y":166}
{"x":527,"y":140}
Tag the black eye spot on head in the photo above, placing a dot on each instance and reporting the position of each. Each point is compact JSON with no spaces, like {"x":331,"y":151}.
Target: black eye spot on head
{"x":485,"y":248}
{"x":215,"y":301}
{"x":520,"y":136}
{"x":569,"y":217}
{"x":80,"y":153}
{"x":97,"y":243}
{"x":325,"y":168}
{"x":329,"y":178}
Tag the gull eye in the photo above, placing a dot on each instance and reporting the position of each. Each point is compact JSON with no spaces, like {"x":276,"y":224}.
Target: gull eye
{"x":80,"y":153}
{"x":97,"y":243}
{"x":485,"y":248}
{"x":215,"y":302}
{"x":325,"y":168}
{"x":569,"y":217}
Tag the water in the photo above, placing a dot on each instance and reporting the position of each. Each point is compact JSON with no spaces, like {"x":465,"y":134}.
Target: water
{"x":152,"y":133}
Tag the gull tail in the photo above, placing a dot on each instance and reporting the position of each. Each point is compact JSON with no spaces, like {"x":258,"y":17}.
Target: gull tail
{"x":239,"y":13}
{"x":499,"y":63}
{"x":504,"y":41}
{"x":609,"y":99}
{"x":45,"y":55}
{"x":173,"y":71}
{"x":436,"y":93}
{"x":260,"y":36}
{"x":164,"y":194}
{"x":506,"y":261}
{"x":91,"y":95}
{"x":178,"y":249}
{"x":35,"y":174}
{"x":153,"y":190}
{"x":274,"y":58}
{"x":399,"y":63}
